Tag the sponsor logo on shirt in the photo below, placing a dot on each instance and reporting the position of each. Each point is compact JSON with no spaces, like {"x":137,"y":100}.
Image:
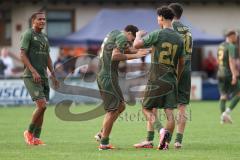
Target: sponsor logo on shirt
{"x":36,"y":93}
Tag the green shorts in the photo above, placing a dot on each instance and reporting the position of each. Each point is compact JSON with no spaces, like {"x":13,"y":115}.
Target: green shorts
{"x":184,"y":87}
{"x":110,"y":92}
{"x":225,"y":87}
{"x":160,"y":94}
{"x":37,"y":90}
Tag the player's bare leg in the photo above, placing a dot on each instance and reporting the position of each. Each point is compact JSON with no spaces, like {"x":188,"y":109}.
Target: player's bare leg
{"x":36,"y":123}
{"x":108,"y":122}
{"x":98,"y":136}
{"x":181,"y":123}
{"x":166,"y":133}
{"x":224,"y":118}
{"x":233,"y":104}
{"x":170,"y":120}
{"x":150,"y":117}
{"x":157,"y":124}
{"x":42,"y":107}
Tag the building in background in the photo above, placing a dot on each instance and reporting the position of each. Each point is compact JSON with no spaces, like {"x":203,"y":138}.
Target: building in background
{"x":67,"y":16}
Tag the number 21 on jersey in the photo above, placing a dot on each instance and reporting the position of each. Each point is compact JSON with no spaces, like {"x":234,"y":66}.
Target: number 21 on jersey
{"x":167,"y":56}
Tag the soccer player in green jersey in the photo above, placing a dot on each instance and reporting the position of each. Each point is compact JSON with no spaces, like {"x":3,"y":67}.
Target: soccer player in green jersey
{"x":228,"y":75}
{"x":115,"y":48}
{"x":36,"y":59}
{"x":167,"y":64}
{"x":184,"y":83}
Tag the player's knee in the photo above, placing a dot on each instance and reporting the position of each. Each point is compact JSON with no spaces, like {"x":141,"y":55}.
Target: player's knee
{"x":181,"y":109}
{"x":223,"y":97}
{"x":122,"y":107}
{"x":145,"y":111}
{"x":152,"y":118}
{"x":181,"y":117}
{"x":41,"y":104}
{"x":155,"y":111}
{"x":169,"y":114}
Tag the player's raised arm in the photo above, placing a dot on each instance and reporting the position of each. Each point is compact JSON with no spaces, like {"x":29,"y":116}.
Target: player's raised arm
{"x":142,"y":41}
{"x":138,"y":42}
{"x":118,"y":56}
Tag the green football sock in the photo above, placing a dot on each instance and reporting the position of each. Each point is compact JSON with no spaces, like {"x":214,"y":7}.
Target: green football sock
{"x":37,"y":132}
{"x":105,"y":141}
{"x":222,"y":105}
{"x":169,"y":137}
{"x":179,"y":137}
{"x":31,"y":128}
{"x":157,"y":125}
{"x":234,"y":102}
{"x":150,"y":135}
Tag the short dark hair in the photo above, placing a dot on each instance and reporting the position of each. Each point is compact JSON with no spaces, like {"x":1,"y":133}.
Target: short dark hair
{"x":230,"y":32}
{"x":131,"y":28}
{"x":177,"y":9}
{"x":34,"y":15}
{"x":166,"y":12}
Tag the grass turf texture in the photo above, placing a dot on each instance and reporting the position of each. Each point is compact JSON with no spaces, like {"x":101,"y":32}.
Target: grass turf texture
{"x":205,"y":138}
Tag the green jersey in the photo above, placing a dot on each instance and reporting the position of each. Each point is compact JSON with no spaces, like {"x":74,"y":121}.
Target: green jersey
{"x":188,"y":43}
{"x":115,"y":39}
{"x":168,"y":47}
{"x":225,"y":51}
{"x":37,"y":50}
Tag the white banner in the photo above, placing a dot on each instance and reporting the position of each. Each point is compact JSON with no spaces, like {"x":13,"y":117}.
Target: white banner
{"x":13,"y":91}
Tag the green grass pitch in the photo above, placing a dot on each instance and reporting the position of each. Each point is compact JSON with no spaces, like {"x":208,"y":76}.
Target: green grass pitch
{"x":205,"y":138}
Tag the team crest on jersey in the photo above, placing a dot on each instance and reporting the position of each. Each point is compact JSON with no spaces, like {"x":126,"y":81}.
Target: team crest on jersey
{"x":35,"y":38}
{"x":36,"y":93}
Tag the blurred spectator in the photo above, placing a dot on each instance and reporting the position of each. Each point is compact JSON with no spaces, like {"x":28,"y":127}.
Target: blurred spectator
{"x":7,"y":61}
{"x":86,"y":67}
{"x":61,"y":59}
{"x":210,"y":65}
{"x":69,"y":65}
{"x":2,"y":68}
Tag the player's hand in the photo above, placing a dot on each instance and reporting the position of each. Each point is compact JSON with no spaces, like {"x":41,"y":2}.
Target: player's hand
{"x":141,"y":33}
{"x":142,"y":53}
{"x":234,"y":80}
{"x":55,"y":82}
{"x":36,"y":77}
{"x":149,"y":50}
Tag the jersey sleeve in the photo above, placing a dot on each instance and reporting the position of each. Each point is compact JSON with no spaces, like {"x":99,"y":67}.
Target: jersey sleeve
{"x":122,"y":43}
{"x":232,"y":51}
{"x":150,"y":39}
{"x":25,"y":40}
